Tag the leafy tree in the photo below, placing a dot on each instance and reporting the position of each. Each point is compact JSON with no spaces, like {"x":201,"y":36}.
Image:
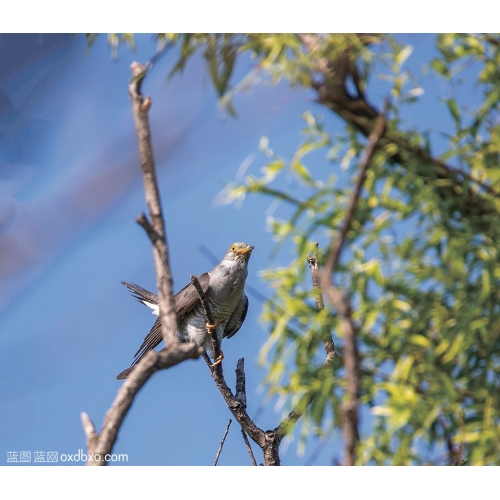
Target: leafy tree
{"x":419,"y":266}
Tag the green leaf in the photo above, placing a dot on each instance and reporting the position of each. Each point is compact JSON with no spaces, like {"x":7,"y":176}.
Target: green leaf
{"x":403,"y":55}
{"x":440,"y":67}
{"x":419,"y":340}
{"x":453,"y":108}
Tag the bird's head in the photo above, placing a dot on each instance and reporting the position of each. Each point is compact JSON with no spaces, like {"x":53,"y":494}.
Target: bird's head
{"x":239,"y":251}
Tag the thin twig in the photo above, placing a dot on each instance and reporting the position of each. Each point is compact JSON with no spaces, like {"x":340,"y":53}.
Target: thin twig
{"x":454,"y":455}
{"x":222,"y":442}
{"x":288,"y":423}
{"x":249,"y":448}
{"x":268,"y":441}
{"x":313,"y":262}
{"x":210,"y":321}
{"x":142,"y":220}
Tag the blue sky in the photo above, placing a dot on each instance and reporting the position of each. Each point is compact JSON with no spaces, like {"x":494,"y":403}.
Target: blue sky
{"x":68,"y":325}
{"x":68,"y":237}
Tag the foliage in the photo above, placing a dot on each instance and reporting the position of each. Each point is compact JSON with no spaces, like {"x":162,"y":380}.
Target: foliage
{"x":422,"y":264}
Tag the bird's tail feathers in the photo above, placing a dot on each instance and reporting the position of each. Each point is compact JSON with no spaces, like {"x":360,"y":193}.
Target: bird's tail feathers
{"x":141,"y":294}
{"x":125,"y":373}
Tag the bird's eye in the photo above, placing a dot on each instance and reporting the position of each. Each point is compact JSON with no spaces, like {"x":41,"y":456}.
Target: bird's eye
{"x":233,"y":248}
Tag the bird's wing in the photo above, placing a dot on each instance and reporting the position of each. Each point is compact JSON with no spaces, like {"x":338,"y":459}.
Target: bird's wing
{"x":152,"y":339}
{"x":237,"y":318}
{"x":185,"y":300}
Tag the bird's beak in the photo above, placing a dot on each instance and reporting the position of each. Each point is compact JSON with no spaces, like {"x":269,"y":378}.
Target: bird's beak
{"x":246,"y":251}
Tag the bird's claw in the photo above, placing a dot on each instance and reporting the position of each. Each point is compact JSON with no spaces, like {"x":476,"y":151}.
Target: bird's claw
{"x":211,"y":327}
{"x":218,"y":361}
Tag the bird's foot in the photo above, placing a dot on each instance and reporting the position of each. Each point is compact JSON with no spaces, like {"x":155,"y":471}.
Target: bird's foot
{"x":218,"y":361}
{"x":211,"y":327}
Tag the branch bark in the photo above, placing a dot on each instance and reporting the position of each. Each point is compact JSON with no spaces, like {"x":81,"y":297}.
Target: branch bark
{"x":249,"y":448}
{"x":100,"y":445}
{"x":267,"y":440}
{"x":368,"y":152}
{"x":341,"y":302}
{"x":222,"y":442}
{"x":333,"y":92}
{"x":156,"y":228}
{"x":210,"y":321}
{"x":291,"y":419}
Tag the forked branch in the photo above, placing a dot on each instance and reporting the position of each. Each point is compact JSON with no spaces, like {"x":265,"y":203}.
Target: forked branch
{"x":100,"y":445}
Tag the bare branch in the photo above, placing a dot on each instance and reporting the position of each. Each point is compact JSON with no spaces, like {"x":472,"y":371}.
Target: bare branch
{"x":142,"y":220}
{"x":210,"y":322}
{"x":101,"y":445}
{"x":156,"y":228}
{"x":236,"y":407}
{"x":249,"y":448}
{"x":237,"y":404}
{"x":268,"y":441}
{"x":222,"y":443}
{"x":341,"y":302}
{"x":241,"y":394}
{"x":151,"y":363}
{"x":454,"y":454}
{"x":287,"y":424}
{"x":320,"y":304}
{"x":90,"y":432}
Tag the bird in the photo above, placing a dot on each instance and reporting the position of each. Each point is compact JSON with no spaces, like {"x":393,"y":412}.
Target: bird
{"x":224,"y":287}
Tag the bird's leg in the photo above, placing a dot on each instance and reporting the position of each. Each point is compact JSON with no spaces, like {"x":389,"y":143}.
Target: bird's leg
{"x":218,"y":361}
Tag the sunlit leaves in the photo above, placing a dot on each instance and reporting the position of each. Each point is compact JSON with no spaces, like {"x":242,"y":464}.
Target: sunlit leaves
{"x":421,"y":262}
{"x":422,"y":281}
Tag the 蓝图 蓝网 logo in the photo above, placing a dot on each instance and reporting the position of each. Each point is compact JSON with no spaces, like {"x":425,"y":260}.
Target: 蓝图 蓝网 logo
{"x":38,"y":457}
{"x":32,"y":457}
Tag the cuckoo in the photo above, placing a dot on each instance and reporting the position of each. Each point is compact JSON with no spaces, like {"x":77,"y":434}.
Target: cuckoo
{"x":224,"y":289}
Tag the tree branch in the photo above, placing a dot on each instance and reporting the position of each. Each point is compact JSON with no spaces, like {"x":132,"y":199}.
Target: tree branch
{"x":236,"y":405}
{"x":313,"y":262}
{"x":241,"y":393}
{"x":333,"y":92}
{"x":454,"y":454}
{"x":291,"y":419}
{"x":222,"y":443}
{"x":368,"y":152}
{"x":156,"y":228}
{"x":101,"y":445}
{"x":268,"y":441}
{"x":249,"y":448}
{"x":341,"y":302}
{"x":210,"y":321}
